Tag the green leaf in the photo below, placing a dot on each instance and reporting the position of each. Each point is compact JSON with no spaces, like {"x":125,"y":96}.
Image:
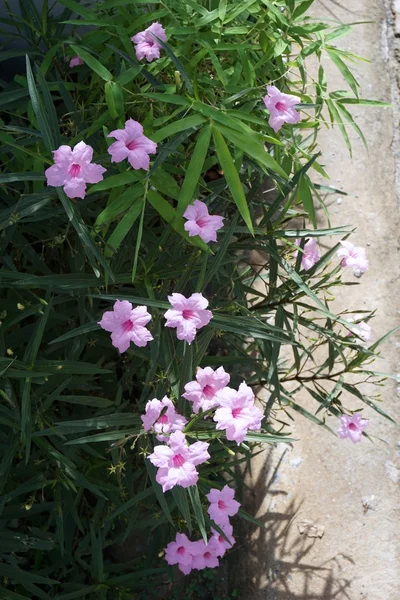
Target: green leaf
{"x":77,"y":8}
{"x":46,"y":130}
{"x":92,"y":63}
{"x":305,"y":196}
{"x":127,"y":505}
{"x":198,"y":510}
{"x":151,"y":470}
{"x":302,"y":8}
{"x":177,"y":126}
{"x":180,"y":497}
{"x":11,"y":177}
{"x":176,"y":62}
{"x":194,"y":170}
{"x":252,"y":146}
{"x":232,"y":178}
{"x":114,"y":99}
{"x":115,"y":181}
{"x":344,"y":69}
{"x":122,"y":229}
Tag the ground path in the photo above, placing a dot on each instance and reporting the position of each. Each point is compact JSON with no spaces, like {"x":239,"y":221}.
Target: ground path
{"x":352,"y":491}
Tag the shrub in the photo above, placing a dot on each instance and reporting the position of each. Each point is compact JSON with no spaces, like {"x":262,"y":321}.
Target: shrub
{"x":83,"y":515}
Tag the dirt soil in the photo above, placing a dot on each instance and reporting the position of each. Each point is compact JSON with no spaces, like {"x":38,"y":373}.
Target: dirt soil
{"x":331,"y":508}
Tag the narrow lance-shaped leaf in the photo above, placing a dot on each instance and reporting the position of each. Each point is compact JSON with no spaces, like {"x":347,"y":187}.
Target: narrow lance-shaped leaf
{"x":232,"y":178}
{"x":194,"y":169}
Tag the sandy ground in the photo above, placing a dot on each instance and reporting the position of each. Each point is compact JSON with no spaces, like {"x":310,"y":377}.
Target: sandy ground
{"x":349,"y":492}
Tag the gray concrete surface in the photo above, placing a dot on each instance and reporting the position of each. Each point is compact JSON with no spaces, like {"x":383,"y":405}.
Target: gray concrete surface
{"x":349,"y":492}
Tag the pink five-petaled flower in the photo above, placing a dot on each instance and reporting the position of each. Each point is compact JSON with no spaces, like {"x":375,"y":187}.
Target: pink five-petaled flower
{"x":73,"y":169}
{"x":359,"y":328}
{"x":200,"y":222}
{"x":353,"y":256}
{"x":146,"y":45}
{"x":75,"y":61}
{"x":204,"y":556}
{"x":127,"y":325}
{"x":180,"y":552}
{"x":133,"y":145}
{"x":310,"y":255}
{"x":202,"y":392}
{"x":352,"y":427}
{"x":187,"y":315}
{"x":176,"y":463}
{"x":281,"y":108}
{"x":237,"y":412}
{"x":219,"y":543}
{"x":167,"y":423}
{"x":222,"y":505}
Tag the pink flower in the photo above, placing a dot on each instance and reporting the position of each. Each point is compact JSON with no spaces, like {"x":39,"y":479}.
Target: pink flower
{"x":176,"y":463}
{"x":133,"y":145}
{"x":204,"y":556}
{"x":352,"y":427}
{"x":73,"y":170}
{"x":200,"y":222}
{"x":217,"y":541}
{"x":165,"y":424}
{"x":281,"y":108}
{"x":360,"y":328}
{"x":187,"y":315}
{"x":222,"y":505}
{"x":180,"y":552}
{"x":202,"y":392}
{"x":75,"y":61}
{"x":353,"y":256}
{"x":127,"y":325}
{"x":310,"y":254}
{"x":237,"y":412}
{"x":146,"y":45}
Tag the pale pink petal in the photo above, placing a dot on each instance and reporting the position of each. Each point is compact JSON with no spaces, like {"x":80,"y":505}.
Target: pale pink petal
{"x":141,"y":316}
{"x":93,"y":173}
{"x":109,"y":322}
{"x":133,"y":128}
{"x":82,"y":153}
{"x":186,"y":330}
{"x":55,"y":175}
{"x":122,"y":310}
{"x":198,"y":453}
{"x":192,"y":228}
{"x":119,"y":134}
{"x":63,"y":156}
{"x":139,"y":159}
{"x":118,"y":151}
{"x":75,"y":188}
{"x":139,"y":38}
{"x":120,"y":340}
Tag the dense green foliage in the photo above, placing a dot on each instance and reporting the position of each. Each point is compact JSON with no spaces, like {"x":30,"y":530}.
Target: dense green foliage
{"x":73,"y":474}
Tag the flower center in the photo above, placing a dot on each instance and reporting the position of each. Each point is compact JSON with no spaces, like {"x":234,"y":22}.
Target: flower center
{"x":281,"y":106}
{"x":178,"y":460}
{"x":163,"y":419}
{"x":236,"y":412}
{"x":201,"y":222}
{"x":131,"y":145}
{"x":353,"y":427}
{"x":127,"y":326}
{"x":187,"y":314}
{"x":221,"y":505}
{"x":75,"y":170}
{"x":181,"y":550}
{"x":207,"y":555}
{"x":208,"y":391}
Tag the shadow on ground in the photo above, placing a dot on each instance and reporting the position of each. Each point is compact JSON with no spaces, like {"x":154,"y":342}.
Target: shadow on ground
{"x":262,"y":566}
